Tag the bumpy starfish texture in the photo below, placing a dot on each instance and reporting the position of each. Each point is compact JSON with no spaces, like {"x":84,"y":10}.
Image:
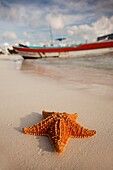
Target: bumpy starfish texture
{"x":59,"y":127}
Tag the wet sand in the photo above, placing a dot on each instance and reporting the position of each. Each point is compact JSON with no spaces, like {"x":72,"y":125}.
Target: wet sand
{"x":23,"y":96}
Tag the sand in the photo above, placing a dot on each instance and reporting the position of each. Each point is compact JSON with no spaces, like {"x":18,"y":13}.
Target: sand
{"x":23,"y":96}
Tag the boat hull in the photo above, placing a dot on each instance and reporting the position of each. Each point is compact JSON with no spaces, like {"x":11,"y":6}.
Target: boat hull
{"x":85,"y":49}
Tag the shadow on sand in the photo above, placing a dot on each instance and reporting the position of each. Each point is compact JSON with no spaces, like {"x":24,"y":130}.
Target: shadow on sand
{"x":30,"y":120}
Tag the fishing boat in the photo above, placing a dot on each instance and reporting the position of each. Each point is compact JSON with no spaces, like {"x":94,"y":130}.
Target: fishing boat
{"x":102,"y":45}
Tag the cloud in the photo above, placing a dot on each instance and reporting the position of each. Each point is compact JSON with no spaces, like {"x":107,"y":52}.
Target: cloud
{"x":55,"y":20}
{"x":103,"y":25}
{"x":9,"y":36}
{"x":8,"y":13}
{"x":90,"y":32}
{"x":76,"y":19}
{"x":104,"y":7}
{"x":23,"y":15}
{"x":66,"y":12}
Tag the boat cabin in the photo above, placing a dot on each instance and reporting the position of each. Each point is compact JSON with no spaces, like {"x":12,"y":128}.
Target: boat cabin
{"x":105,"y":37}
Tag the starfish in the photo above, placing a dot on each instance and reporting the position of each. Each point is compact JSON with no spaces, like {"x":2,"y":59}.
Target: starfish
{"x":59,"y":127}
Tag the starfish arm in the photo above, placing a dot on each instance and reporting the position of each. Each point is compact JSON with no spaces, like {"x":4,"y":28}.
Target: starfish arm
{"x":59,"y":144}
{"x":73,"y":116}
{"x":59,"y":135}
{"x":47,"y":114}
{"x":40,"y":128}
{"x":79,"y":131}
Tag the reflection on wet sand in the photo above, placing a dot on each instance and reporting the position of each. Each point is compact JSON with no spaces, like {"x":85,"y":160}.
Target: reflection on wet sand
{"x":31,"y":66}
{"x":89,"y":70}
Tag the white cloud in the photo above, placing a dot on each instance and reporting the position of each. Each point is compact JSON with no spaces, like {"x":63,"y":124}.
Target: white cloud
{"x":9,"y":36}
{"x":26,"y":34}
{"x":90,"y":32}
{"x":55,"y":20}
{"x":103,"y":26}
{"x":27,"y":15}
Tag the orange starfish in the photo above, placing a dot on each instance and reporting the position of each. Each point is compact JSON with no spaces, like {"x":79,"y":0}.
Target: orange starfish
{"x":59,"y":127}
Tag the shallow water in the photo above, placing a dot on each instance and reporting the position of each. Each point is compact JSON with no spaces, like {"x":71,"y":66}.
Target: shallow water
{"x":82,"y":70}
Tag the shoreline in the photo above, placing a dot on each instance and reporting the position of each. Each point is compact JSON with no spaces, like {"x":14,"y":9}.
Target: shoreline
{"x":10,"y":57}
{"x":23,"y":97}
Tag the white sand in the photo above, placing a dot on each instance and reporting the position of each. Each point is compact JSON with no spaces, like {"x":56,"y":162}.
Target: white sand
{"x":23,"y":96}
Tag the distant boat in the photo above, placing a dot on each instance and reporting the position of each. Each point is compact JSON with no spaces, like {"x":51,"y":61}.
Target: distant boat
{"x":12,"y":51}
{"x":102,"y":45}
{"x":1,"y":52}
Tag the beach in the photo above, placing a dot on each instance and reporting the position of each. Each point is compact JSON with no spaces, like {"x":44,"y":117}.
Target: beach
{"x":29,"y":87}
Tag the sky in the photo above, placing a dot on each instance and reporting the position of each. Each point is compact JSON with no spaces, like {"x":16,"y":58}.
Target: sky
{"x":33,"y":21}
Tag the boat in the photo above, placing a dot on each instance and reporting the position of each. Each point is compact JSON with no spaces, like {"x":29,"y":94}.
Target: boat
{"x":102,"y":45}
{"x":12,"y":51}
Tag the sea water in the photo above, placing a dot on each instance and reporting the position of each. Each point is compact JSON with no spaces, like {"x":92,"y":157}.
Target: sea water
{"x":86,"y":69}
{"x":79,"y":72}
